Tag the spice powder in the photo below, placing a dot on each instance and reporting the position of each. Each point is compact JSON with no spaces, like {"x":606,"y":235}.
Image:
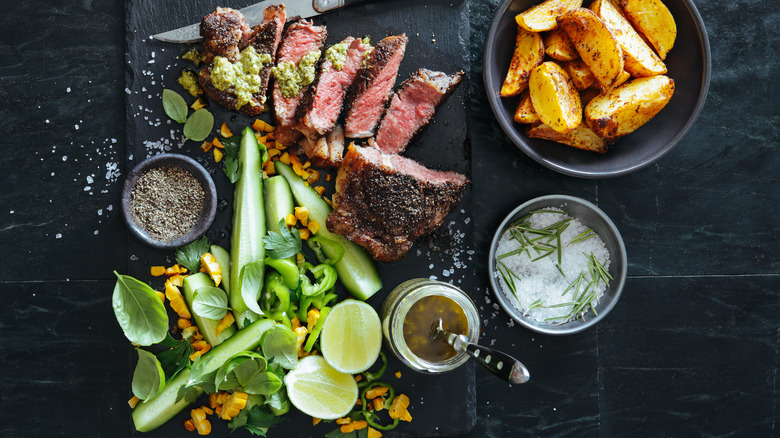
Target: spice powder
{"x":167,"y":202}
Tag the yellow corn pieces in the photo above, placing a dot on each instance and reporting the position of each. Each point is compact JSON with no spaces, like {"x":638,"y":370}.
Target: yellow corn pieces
{"x":233,"y":405}
{"x":198,"y":104}
{"x":273,"y":152}
{"x":161,"y":295}
{"x":378,"y":403}
{"x":311,"y":319}
{"x":376,"y":391}
{"x":397,"y":374}
{"x":360,"y":424}
{"x":260,"y":125}
{"x":217,"y":143}
{"x":305,"y":233}
{"x":347,"y":428}
{"x":176,"y":280}
{"x":133,"y":401}
{"x":177,"y":300}
{"x":173,"y":270}
{"x":314,"y":176}
{"x":315,"y":421}
{"x":398,"y":408}
{"x":224,"y":131}
{"x":290,"y":220}
{"x":302,"y":213}
{"x":218,"y":155}
{"x":301,"y":332}
{"x":373,"y":433}
{"x":157,"y":271}
{"x":206,"y":146}
{"x":268,"y":167}
{"x":189,"y":332}
{"x":320,"y":190}
{"x":314,"y":227}
{"x":285,"y":158}
{"x":226,"y":322}
{"x":211,"y":267}
{"x":182,"y":323}
{"x":202,"y":425}
{"x":189,"y":425}
{"x":343,"y":420}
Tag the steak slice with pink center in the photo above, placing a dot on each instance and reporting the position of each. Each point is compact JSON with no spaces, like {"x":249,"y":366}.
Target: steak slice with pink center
{"x":385,"y":202}
{"x":373,"y":86}
{"x":325,"y":99}
{"x":412,"y":107}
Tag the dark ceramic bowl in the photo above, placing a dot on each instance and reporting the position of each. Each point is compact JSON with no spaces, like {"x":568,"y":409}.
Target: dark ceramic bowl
{"x":590,"y":216}
{"x":208,"y":212}
{"x":688,"y":64}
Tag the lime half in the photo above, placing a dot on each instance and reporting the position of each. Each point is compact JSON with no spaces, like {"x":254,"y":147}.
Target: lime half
{"x":351,"y":337}
{"x":316,"y":389}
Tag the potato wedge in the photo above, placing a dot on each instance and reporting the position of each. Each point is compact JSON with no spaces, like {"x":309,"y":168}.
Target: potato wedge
{"x":595,"y":44}
{"x":529,"y":52}
{"x":624,"y":76}
{"x":652,"y":19}
{"x":582,"y":137}
{"x":554,"y":97}
{"x":542,"y":17}
{"x":525,"y":110}
{"x":640,"y":59}
{"x":629,"y":106}
{"x":580,"y":76}
{"x":557,"y":47}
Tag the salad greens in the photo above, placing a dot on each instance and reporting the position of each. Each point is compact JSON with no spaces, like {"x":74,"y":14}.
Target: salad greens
{"x":176,"y":357}
{"x":139,"y":311}
{"x":148,"y":377}
{"x":174,"y":105}
{"x":210,"y":302}
{"x":189,"y":255}
{"x":282,"y":244}
{"x":280,"y":345}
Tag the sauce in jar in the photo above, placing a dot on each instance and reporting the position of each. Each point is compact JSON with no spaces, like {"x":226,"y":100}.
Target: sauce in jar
{"x":417,"y":327}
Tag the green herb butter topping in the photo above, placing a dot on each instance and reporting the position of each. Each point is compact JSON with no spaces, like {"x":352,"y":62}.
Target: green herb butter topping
{"x":243,"y":75}
{"x":189,"y":82}
{"x":337,"y":55}
{"x":193,"y":55}
{"x":292,"y":78}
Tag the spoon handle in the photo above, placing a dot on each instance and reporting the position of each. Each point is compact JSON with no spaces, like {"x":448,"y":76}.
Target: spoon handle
{"x":497,"y":362}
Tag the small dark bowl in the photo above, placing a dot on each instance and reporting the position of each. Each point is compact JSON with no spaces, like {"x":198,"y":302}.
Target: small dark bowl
{"x":590,"y":216}
{"x":689,"y":66}
{"x":209,"y":206}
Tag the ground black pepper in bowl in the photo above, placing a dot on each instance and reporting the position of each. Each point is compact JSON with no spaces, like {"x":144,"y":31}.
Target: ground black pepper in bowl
{"x":169,"y":200}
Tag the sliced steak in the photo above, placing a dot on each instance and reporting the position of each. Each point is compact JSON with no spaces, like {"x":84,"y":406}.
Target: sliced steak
{"x":385,"y":202}
{"x":412,"y":107}
{"x":325,"y":151}
{"x":368,"y":95}
{"x":264,"y":38}
{"x":225,"y":33}
{"x":322,"y":105}
{"x":300,"y":39}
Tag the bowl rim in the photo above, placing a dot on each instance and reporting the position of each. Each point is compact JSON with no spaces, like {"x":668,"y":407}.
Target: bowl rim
{"x":567,"y":328}
{"x":519,"y":141}
{"x":198,"y":171}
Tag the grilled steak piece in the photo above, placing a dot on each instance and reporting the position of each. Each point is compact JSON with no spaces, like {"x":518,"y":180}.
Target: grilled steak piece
{"x":384,"y":202}
{"x":225,"y":32}
{"x":412,"y":107}
{"x":300,"y":39}
{"x":322,"y":104}
{"x":264,"y":39}
{"x":373,"y":85}
{"x":326,"y":151}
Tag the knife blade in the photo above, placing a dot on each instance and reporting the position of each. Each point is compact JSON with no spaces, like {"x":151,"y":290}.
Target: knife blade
{"x":253,"y":15}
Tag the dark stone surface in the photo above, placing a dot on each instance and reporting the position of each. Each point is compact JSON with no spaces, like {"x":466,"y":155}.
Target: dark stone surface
{"x":690,"y":350}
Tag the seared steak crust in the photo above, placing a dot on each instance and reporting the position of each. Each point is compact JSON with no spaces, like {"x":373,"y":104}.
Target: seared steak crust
{"x":368,"y":95}
{"x":412,"y":107}
{"x":385,"y":202}
{"x":224,"y":32}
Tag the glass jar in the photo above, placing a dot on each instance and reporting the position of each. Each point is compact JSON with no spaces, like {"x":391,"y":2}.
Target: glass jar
{"x":396,"y":307}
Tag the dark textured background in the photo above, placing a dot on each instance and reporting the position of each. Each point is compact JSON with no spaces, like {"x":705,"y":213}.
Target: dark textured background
{"x":692,"y":348}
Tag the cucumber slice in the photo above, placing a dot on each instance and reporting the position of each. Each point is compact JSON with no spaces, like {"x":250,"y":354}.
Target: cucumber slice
{"x":246,"y":240}
{"x":278,"y":201}
{"x":153,"y":413}
{"x":356,"y":270}
{"x":223,"y":259}
{"x":206,"y":326}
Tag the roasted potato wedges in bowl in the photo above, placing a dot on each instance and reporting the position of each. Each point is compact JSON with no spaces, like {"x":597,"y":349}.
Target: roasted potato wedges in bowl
{"x":578,"y":152}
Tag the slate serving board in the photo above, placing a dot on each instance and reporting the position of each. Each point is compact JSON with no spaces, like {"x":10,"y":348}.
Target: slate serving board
{"x":438,"y":40}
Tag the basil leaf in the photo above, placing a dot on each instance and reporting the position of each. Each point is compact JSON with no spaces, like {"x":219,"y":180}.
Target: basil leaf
{"x":280,"y":345}
{"x":189,"y":255}
{"x":210,"y":302}
{"x":263,"y":383}
{"x":148,"y":377}
{"x":250,"y":368}
{"x":139,"y":311}
{"x":176,"y":358}
{"x":252,"y":284}
{"x":174,"y":105}
{"x":231,"y":364}
{"x":197,"y":382}
{"x":199,"y":125}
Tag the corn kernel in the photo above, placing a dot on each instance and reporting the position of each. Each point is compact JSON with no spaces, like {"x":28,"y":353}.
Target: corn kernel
{"x":360,"y":424}
{"x":305,"y":233}
{"x":302,"y":213}
{"x":133,"y":402}
{"x":183,"y":323}
{"x":343,"y":420}
{"x":161,"y":296}
{"x":314,"y":227}
{"x":320,"y":190}
{"x":189,"y":425}
{"x":285,"y":158}
{"x":290,"y":220}
{"x":224,"y":131}
{"x":198,"y":104}
{"x":218,"y":155}
{"x":217,"y":143}
{"x":373,"y":433}
{"x":315,"y":421}
{"x":157,"y":271}
{"x":347,"y":428}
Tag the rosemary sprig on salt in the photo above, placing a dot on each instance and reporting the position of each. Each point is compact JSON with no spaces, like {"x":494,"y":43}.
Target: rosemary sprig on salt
{"x":555,"y":268}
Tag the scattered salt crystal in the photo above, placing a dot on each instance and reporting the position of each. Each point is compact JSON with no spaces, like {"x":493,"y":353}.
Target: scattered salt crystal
{"x":58,"y":236}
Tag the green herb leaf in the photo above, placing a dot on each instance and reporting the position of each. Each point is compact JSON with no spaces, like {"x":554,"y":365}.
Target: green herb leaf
{"x":176,"y":358}
{"x":252,"y":284}
{"x":174,"y":105}
{"x":148,"y":377}
{"x":278,"y":401}
{"x":256,"y":420}
{"x":210,"y":302}
{"x":264,"y":383}
{"x":139,"y":311}
{"x":285,"y":243}
{"x":230,"y":160}
{"x":280,"y":346}
{"x":189,"y":255}
{"x":199,"y":125}
{"x":197,"y":382}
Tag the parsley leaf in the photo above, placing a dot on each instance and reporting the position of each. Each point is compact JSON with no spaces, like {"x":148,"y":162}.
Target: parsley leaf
{"x":230,"y":160}
{"x":189,"y":255}
{"x":257,"y":420}
{"x":285,"y":243}
{"x":337,"y":433}
{"x":176,"y":358}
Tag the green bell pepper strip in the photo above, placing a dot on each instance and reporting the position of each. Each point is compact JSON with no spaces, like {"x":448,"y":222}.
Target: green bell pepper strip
{"x":319,"y":301}
{"x":376,"y":375}
{"x":315,"y":332}
{"x":287,"y":268}
{"x":374,"y":384}
{"x":324,"y":279}
{"x":275,"y":298}
{"x":328,"y":251}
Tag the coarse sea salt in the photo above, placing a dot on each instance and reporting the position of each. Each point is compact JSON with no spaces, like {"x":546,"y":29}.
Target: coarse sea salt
{"x":541,"y":279}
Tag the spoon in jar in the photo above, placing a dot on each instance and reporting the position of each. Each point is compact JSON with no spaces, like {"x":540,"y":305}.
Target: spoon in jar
{"x":497,"y":362}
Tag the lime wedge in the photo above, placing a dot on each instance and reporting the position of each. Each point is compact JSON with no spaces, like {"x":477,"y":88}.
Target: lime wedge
{"x":351,"y":337}
{"x":316,"y":389}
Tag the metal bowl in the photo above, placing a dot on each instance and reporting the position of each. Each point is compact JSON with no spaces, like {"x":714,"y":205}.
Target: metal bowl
{"x":207,"y":214}
{"x":689,"y":66}
{"x":590,"y":216}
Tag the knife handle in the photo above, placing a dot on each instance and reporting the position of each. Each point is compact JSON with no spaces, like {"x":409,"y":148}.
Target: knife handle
{"x":323,"y":6}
